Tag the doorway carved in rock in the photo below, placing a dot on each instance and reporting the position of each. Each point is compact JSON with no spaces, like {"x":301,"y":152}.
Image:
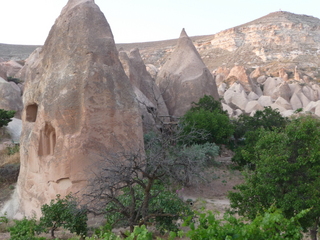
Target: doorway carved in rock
{"x":47,"y":140}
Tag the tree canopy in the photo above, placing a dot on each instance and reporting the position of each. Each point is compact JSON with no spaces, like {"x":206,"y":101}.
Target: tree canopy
{"x":5,"y":117}
{"x":287,"y":166}
{"x":207,"y":115}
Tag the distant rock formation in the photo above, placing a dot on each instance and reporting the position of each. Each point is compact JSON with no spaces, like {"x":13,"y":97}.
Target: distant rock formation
{"x":281,"y":45}
{"x":149,"y":96}
{"x":79,"y":108}
{"x":10,"y":97}
{"x":184,"y":78}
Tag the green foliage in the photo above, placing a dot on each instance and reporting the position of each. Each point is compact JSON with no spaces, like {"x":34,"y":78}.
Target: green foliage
{"x":207,"y":103}
{"x":4,"y":219}
{"x":268,"y":119}
{"x":25,"y":229}
{"x":270,"y":225}
{"x":247,"y":132}
{"x":12,"y":79}
{"x":200,"y":152}
{"x":64,"y":212}
{"x":13,"y":148}
{"x":287,"y":173}
{"x":5,"y":117}
{"x":164,"y":208}
{"x":207,"y":115}
{"x":139,"y":233}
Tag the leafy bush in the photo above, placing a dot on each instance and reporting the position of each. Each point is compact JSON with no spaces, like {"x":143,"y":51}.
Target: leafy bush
{"x":270,"y":225}
{"x":139,"y":233}
{"x":25,"y":229}
{"x":5,"y":117}
{"x":64,"y":212}
{"x":207,"y":115}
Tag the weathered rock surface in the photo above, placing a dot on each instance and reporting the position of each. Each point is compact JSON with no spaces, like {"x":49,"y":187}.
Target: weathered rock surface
{"x":14,"y":129}
{"x":141,"y":79}
{"x":79,"y":108}
{"x":10,"y":97}
{"x":184,"y":78}
{"x":11,"y":67}
{"x":280,"y":45}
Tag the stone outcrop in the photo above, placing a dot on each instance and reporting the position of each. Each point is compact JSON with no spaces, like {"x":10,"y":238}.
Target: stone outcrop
{"x":14,"y":129}
{"x":142,"y":80}
{"x":10,"y":97}
{"x":279,"y":47}
{"x":184,"y":78}
{"x":79,"y":108}
{"x":11,"y":68}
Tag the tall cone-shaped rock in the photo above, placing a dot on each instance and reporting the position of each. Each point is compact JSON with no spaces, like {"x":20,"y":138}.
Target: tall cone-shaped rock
{"x":141,"y":78}
{"x":79,"y":109}
{"x":184,"y":78}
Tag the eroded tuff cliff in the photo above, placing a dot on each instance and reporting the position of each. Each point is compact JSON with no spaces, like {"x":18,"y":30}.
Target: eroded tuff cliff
{"x":184,"y":78}
{"x":275,"y":41}
{"x":79,"y":108}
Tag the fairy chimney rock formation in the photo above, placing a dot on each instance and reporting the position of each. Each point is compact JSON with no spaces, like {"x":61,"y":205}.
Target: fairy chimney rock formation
{"x":79,"y":108}
{"x":184,"y":78}
{"x":139,"y":76}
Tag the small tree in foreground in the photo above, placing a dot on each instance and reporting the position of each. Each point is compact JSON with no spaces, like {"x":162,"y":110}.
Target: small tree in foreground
{"x":64,"y":212}
{"x":135,"y":185}
{"x":286,"y":174}
{"x":164,"y":209}
{"x":5,"y":117}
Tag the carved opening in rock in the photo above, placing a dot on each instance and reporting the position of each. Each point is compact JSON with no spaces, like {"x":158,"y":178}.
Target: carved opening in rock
{"x":64,"y":183}
{"x":31,"y":112}
{"x":47,"y":141}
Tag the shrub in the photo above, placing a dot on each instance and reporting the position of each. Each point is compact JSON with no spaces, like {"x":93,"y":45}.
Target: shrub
{"x":64,"y":212}
{"x":25,"y":229}
{"x":207,"y":115}
{"x":5,"y":117}
{"x":270,"y":225}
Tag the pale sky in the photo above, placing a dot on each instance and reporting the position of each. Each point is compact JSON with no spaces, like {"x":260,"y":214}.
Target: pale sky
{"x":29,"y":21}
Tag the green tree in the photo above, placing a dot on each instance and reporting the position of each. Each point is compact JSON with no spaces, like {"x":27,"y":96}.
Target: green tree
{"x":247,"y":129}
{"x":286,"y":173}
{"x":64,"y":212}
{"x":164,"y":209}
{"x":207,"y":115}
{"x":5,"y":117}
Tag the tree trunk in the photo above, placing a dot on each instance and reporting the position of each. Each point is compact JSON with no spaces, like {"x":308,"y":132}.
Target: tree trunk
{"x":314,"y":230}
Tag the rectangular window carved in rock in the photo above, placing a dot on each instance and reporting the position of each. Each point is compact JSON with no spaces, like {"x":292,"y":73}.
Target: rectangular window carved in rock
{"x":31,"y":112}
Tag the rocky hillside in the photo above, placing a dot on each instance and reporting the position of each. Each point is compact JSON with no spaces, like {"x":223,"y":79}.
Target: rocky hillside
{"x":277,"y":40}
{"x":281,"y":46}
